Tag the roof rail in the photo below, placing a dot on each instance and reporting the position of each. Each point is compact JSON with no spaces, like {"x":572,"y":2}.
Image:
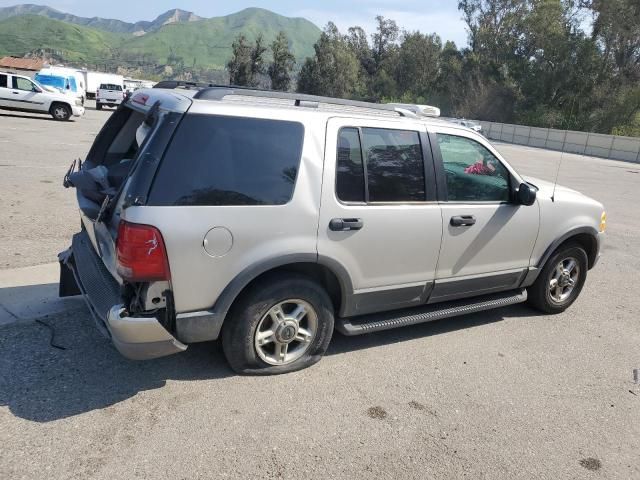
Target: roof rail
{"x":219,"y":92}
{"x":173,"y":84}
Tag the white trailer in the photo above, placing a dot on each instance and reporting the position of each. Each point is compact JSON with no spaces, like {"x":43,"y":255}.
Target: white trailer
{"x":94,"y":79}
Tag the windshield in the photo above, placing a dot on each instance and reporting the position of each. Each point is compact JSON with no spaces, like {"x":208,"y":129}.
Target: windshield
{"x":38,"y":84}
{"x":51,"y":81}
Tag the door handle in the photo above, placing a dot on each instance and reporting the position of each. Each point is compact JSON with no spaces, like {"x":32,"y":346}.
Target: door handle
{"x":345,"y":224}
{"x":463,"y":221}
{"x":16,"y":93}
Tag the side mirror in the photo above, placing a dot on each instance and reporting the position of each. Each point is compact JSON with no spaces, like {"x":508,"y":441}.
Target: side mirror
{"x":527,"y":194}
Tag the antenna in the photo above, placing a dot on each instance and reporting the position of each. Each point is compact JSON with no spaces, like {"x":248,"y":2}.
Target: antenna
{"x":555,"y":183}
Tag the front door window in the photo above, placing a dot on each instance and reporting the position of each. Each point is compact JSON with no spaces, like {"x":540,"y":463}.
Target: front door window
{"x":474,"y":174}
{"x":20,"y":83}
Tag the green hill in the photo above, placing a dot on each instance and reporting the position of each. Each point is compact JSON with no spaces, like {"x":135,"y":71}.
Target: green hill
{"x":209,"y":41}
{"x":107,"y":24}
{"x":205,"y":41}
{"x":27,"y":33}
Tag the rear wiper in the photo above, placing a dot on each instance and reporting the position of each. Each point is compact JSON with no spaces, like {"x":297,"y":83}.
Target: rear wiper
{"x":103,"y":208}
{"x":66,"y":182}
{"x":152,"y":115}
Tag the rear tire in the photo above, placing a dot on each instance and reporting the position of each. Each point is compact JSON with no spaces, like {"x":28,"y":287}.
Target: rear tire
{"x":560,"y":281}
{"x":98,"y":106}
{"x":60,"y":112}
{"x":284,"y":323}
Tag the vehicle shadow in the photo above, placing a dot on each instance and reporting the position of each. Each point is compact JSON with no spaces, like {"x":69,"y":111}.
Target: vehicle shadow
{"x":43,"y":383}
{"x":44,"y":116}
{"x":63,"y":367}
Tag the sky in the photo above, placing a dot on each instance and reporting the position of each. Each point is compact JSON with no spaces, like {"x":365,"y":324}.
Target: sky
{"x":427,"y":16}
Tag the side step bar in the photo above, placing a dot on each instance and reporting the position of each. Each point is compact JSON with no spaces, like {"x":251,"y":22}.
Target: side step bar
{"x":388,"y":320}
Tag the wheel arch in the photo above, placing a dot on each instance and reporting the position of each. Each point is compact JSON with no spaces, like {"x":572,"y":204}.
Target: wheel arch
{"x":331,"y":275}
{"x":60,"y":102}
{"x":586,"y":237}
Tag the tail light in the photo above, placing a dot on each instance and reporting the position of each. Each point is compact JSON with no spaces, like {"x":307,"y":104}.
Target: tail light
{"x":97,"y":93}
{"x":142,"y":256}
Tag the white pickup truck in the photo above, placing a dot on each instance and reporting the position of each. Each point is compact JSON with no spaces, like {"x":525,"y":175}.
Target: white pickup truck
{"x":19,"y":93}
{"x":109,"y":95}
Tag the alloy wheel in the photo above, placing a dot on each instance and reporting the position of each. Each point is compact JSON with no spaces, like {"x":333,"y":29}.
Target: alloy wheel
{"x":285,"y":332}
{"x":564,"y":279}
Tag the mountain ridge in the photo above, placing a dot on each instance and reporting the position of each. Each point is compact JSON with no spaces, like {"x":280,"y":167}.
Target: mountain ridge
{"x":114,"y":25}
{"x":177,"y":37}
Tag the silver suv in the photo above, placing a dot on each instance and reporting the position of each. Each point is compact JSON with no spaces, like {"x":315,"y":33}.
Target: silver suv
{"x":269,"y":219}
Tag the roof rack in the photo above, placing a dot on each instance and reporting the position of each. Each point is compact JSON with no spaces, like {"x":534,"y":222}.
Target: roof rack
{"x":219,"y":92}
{"x":173,"y":84}
{"x":423,"y":110}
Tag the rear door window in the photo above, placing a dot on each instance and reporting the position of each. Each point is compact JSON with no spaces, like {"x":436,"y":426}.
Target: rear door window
{"x":3,"y":81}
{"x":215,"y":160}
{"x":350,"y":185}
{"x":391,"y":161}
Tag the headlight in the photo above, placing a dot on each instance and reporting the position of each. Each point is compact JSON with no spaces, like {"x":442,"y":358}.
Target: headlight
{"x":603,"y":222}
{"x":78,"y":102}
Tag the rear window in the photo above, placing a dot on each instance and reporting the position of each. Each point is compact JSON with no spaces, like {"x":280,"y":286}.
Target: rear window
{"x":215,"y":160}
{"x":109,"y":86}
{"x":3,"y":81}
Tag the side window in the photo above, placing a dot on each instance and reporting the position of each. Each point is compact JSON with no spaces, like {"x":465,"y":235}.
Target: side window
{"x":3,"y":81}
{"x":350,"y":170}
{"x":395,"y":169}
{"x":215,"y":160}
{"x":474,"y":174}
{"x":390,"y":160}
{"x":20,"y":83}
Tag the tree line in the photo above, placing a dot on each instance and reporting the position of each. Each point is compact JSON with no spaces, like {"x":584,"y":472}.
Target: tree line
{"x":527,"y":62}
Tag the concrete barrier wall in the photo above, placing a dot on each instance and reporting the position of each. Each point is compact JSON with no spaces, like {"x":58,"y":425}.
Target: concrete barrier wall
{"x":594,"y":144}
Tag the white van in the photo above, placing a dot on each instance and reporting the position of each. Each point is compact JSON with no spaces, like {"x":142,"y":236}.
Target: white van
{"x":78,"y":85}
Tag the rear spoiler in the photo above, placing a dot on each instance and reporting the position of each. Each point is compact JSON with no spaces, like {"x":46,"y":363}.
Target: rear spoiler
{"x":145,"y":99}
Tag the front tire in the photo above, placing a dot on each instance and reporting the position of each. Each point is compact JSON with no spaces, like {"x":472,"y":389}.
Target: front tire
{"x":284,"y":323}
{"x":60,"y":112}
{"x":561,"y":280}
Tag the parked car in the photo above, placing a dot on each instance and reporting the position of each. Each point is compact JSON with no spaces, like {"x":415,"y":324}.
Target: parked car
{"x":93,"y":80}
{"x":267,"y":219}
{"x":20,"y":93}
{"x":109,"y":95}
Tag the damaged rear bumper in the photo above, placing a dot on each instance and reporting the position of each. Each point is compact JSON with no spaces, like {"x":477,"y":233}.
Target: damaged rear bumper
{"x":135,"y":337}
{"x":140,"y":338}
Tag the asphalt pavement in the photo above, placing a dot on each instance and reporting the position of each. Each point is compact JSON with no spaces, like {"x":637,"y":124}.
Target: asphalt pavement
{"x":501,"y":394}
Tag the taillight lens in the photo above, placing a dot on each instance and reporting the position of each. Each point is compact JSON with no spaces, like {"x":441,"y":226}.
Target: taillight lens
{"x":142,"y":256}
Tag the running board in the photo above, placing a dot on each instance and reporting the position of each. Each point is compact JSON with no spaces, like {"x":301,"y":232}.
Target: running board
{"x":402,"y":318}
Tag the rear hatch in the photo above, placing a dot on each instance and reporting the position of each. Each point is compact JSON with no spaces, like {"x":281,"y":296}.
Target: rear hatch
{"x":121,"y":164}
